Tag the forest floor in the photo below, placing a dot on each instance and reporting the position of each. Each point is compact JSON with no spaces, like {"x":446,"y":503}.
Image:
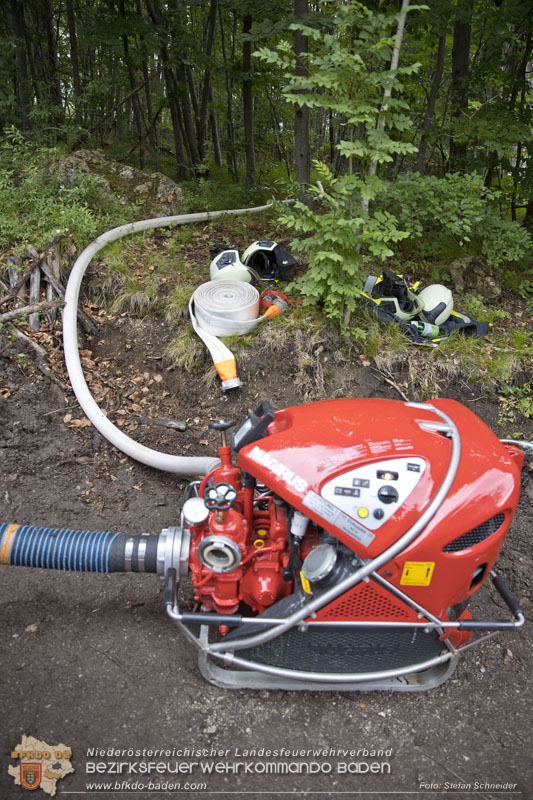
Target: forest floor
{"x":92,"y":661}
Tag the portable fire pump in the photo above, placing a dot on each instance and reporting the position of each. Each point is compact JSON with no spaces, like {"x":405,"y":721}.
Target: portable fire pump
{"x":340,"y":550}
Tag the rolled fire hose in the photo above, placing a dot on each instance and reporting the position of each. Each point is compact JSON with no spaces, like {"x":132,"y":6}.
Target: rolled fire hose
{"x":182,"y":465}
{"x":224,"y":308}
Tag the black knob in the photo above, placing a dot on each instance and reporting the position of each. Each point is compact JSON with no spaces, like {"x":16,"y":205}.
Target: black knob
{"x":221,"y":425}
{"x":379,"y":513}
{"x":388,"y":494}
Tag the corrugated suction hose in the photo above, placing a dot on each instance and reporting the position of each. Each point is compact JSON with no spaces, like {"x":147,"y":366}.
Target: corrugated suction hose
{"x":78,"y":551}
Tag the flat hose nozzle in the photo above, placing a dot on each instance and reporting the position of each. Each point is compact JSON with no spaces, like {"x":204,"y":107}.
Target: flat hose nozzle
{"x":277,"y":307}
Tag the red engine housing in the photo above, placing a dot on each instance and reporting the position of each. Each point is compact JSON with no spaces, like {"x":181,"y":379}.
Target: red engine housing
{"x":365,"y":470}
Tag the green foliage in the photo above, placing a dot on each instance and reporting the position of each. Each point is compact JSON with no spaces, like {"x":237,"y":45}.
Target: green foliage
{"x":515,"y":400}
{"x":503,"y":240}
{"x":207,"y":194}
{"x":458,"y":208}
{"x":336,"y":242}
{"x":474,"y":306}
{"x":35,"y":207}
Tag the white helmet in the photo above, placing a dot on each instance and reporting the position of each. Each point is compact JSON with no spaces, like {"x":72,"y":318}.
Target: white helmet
{"x":437,"y":303}
{"x":228,"y":266}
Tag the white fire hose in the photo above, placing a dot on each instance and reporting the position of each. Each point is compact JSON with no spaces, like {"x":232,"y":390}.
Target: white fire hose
{"x":182,"y":465}
{"x":224,"y":308}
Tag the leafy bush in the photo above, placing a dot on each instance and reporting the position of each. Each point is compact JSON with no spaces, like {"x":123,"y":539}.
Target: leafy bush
{"x":458,"y":207}
{"x":35,"y":206}
{"x":337,"y":237}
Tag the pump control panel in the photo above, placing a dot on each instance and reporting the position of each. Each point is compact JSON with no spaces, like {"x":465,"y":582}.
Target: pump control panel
{"x":371,"y":494}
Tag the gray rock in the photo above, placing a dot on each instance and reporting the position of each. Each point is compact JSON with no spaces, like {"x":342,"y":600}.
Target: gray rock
{"x":472,"y":275}
{"x":156,"y":194}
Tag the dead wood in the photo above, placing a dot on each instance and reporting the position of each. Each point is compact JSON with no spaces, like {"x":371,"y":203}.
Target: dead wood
{"x":41,"y":353}
{"x":31,"y":309}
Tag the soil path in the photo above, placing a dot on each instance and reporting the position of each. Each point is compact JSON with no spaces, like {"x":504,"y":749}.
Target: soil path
{"x":92,"y":661}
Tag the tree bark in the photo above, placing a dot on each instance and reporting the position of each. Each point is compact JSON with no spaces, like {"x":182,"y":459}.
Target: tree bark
{"x":53,"y":73}
{"x":74,"y":61}
{"x":388,"y":90}
{"x":22,"y":83}
{"x":527,"y":222}
{"x":248,"y":104}
{"x":460,"y":70}
{"x":137,"y":113}
{"x":213,"y":124}
{"x":430,"y":110}
{"x":206,"y":86}
{"x":230,"y":148}
{"x":155,"y":15}
{"x":152,"y":130}
{"x":302,"y":154}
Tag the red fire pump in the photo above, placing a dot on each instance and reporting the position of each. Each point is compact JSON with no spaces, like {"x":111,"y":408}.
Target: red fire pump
{"x":355,"y":532}
{"x":340,"y":551}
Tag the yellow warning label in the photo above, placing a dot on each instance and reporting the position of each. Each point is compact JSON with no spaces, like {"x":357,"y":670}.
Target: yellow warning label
{"x":306,"y":586}
{"x":417,"y":573}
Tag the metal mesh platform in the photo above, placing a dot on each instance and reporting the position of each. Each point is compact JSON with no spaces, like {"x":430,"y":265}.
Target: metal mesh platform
{"x":347,"y":650}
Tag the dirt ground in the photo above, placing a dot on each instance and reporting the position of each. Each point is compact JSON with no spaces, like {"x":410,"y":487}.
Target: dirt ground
{"x":92,"y":661}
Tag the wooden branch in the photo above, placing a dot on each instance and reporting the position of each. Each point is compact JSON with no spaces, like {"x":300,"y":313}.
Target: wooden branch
{"x":37,"y":262}
{"x":86,"y":323}
{"x":35,"y":291}
{"x":176,"y":425}
{"x":383,"y":377}
{"x":53,"y":263}
{"x":31,"y":309}
{"x":41,"y":352}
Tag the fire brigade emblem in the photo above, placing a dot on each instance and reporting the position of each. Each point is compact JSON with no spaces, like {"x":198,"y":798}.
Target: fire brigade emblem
{"x":40,"y":765}
{"x":30,"y":775}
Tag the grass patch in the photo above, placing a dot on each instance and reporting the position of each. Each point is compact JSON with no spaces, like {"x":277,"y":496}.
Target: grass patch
{"x":185,"y":350}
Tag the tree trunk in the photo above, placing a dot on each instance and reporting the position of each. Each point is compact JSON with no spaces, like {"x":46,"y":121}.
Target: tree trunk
{"x":230,"y":148}
{"x":527,"y":222}
{"x":179,"y":78}
{"x":430,"y":110}
{"x":214,"y":131}
{"x":206,"y":86}
{"x":137,"y":114}
{"x":248,"y":104}
{"x":22,"y":82}
{"x":74,"y":61}
{"x":388,"y":91}
{"x":152,"y":130}
{"x":155,"y":15}
{"x":460,"y":70}
{"x":302,"y":155}
{"x":54,"y":83}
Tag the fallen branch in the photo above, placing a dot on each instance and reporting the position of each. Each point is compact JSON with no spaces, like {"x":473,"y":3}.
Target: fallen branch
{"x":35,"y":290}
{"x":53,"y":263}
{"x":391,"y":383}
{"x":86,"y":323}
{"x":176,"y":425}
{"x":42,"y":354}
{"x":31,"y":309}
{"x":37,"y":262}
